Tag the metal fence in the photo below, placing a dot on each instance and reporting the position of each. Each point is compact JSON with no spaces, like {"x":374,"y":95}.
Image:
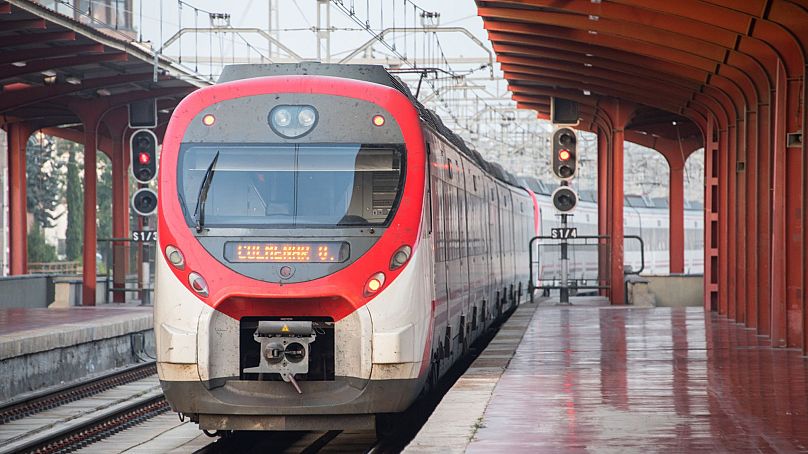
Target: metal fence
{"x":588,"y":270}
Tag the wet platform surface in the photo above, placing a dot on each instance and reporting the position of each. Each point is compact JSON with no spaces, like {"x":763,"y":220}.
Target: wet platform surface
{"x":616,"y":379}
{"x":28,"y":319}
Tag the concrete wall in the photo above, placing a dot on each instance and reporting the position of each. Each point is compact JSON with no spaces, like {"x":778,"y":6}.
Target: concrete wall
{"x":677,"y":290}
{"x":46,"y":357}
{"x":26,"y":291}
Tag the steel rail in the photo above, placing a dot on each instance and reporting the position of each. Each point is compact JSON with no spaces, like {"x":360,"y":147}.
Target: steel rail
{"x":47,"y":399}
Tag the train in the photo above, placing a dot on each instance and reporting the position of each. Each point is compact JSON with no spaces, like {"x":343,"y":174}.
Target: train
{"x":328,"y":249}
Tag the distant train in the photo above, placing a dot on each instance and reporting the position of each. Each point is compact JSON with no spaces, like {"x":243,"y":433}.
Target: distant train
{"x":329,"y":249}
{"x":643,"y":216}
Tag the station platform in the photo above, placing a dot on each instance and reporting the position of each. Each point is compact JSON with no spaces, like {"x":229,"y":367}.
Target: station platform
{"x":592,"y":378}
{"x":42,"y":347}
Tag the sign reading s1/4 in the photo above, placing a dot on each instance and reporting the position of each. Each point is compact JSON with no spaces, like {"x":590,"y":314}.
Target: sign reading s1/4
{"x":144,"y":236}
{"x":564,"y":233}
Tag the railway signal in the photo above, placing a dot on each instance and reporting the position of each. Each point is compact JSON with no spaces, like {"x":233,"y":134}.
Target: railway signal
{"x":143,"y":144}
{"x":144,"y":202}
{"x":565,"y":156}
{"x":565,"y":199}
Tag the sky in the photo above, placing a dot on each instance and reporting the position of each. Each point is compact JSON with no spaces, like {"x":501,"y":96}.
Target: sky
{"x":521,"y":146}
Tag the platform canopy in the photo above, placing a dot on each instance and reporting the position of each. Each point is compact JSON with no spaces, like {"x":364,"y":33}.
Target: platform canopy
{"x":680,"y":60}
{"x":49,"y":63}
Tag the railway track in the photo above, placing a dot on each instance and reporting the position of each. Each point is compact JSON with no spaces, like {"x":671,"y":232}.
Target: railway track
{"x":71,"y":416}
{"x":53,"y":397}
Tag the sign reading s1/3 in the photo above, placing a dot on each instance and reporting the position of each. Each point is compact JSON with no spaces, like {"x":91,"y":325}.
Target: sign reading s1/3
{"x":564,"y":233}
{"x":144,"y":236}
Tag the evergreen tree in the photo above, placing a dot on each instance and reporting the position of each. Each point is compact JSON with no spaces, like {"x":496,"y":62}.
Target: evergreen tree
{"x":44,"y":181}
{"x":38,"y":249}
{"x":104,"y":196}
{"x":75,"y":206}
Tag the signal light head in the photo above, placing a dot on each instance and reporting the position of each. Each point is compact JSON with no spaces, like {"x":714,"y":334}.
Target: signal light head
{"x":565,"y":199}
{"x":143,"y":145}
{"x":565,"y":160}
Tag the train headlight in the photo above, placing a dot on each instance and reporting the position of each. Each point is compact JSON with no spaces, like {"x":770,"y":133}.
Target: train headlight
{"x":292,"y":122}
{"x":306,"y":117}
{"x":374,"y":284}
{"x":400,"y":257}
{"x":281,"y":118}
{"x":198,"y":284}
{"x":175,"y":257}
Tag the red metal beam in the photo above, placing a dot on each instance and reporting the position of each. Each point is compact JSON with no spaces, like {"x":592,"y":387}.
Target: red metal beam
{"x":22,"y":24}
{"x":37,"y":38}
{"x":27,"y":55}
{"x":11,"y":71}
{"x":31,"y":95}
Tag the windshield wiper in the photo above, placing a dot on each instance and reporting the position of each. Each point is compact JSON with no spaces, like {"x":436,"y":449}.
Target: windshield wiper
{"x":202,"y":197}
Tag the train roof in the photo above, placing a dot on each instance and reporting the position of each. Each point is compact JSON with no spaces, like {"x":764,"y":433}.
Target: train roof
{"x":368,"y":73}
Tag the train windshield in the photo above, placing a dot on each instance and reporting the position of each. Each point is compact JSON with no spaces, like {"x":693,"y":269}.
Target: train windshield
{"x":315,"y":185}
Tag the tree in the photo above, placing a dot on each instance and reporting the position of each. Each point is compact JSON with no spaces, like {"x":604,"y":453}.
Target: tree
{"x":75,"y":206}
{"x":104,"y":196}
{"x":44,"y":180}
{"x":38,"y":249}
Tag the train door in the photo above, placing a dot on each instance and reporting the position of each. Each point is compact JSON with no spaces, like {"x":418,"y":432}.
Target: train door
{"x":463,"y":250}
{"x":454,"y":269}
{"x":439,"y":232}
{"x":488,"y":248}
{"x":496,"y":249}
{"x":506,"y":223}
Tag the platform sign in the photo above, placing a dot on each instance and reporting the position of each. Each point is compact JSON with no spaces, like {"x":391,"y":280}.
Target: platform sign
{"x":144,"y":236}
{"x":564,"y":233}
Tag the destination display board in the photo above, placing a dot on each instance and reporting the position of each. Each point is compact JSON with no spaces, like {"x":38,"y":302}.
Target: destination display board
{"x":286,"y":252}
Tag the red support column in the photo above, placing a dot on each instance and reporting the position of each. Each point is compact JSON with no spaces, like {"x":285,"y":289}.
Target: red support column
{"x":778,"y":208}
{"x":117,"y":124}
{"x":676,"y":214}
{"x":90,"y":117}
{"x":616,"y":209}
{"x":620,"y":113}
{"x":723,"y":224}
{"x":603,"y":207}
{"x":18,"y":134}
{"x":711,"y":206}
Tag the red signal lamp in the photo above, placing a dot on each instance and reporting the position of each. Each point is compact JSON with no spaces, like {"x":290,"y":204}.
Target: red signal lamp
{"x":564,"y":155}
{"x":144,"y":158}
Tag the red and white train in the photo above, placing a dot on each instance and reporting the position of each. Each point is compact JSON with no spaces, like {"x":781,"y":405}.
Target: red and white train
{"x":328,"y":249}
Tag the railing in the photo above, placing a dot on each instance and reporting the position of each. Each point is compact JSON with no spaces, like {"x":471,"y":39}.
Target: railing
{"x":588,"y":263}
{"x":55,"y":267}
{"x":135,"y":254}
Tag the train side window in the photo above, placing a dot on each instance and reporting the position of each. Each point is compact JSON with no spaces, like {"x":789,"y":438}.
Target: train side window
{"x":450,"y":167}
{"x":474,"y":181}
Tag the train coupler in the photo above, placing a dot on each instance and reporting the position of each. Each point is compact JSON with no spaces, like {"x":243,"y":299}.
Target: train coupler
{"x":284,"y":349}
